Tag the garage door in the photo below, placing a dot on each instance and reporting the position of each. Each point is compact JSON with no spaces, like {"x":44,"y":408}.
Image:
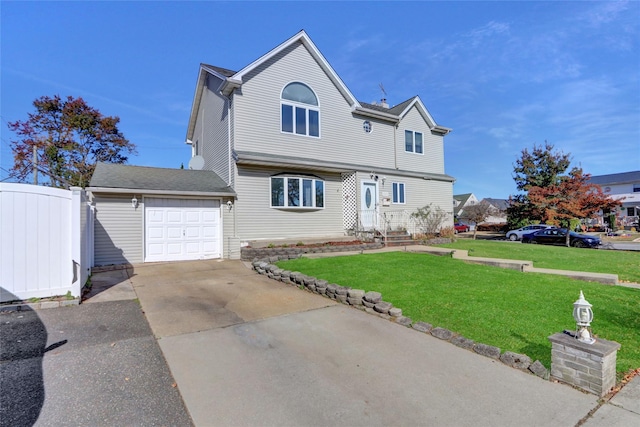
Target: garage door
{"x":181,"y":229}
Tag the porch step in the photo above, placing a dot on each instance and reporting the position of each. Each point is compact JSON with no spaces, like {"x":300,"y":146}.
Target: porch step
{"x":399,"y":238}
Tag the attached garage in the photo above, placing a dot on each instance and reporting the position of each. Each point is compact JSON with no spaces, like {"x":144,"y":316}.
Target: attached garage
{"x":147,"y":214}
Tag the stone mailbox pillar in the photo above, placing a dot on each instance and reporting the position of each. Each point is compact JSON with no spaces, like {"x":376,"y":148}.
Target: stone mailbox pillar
{"x":591,"y":367}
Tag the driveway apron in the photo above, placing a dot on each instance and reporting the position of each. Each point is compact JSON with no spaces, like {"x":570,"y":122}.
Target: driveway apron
{"x":246,"y":351}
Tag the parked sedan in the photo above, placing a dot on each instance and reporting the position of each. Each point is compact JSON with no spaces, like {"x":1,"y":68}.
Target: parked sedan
{"x":514,"y":235}
{"x":558,"y":236}
{"x":460,"y":228}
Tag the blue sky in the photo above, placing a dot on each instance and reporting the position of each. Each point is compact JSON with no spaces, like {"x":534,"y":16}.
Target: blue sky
{"x":503,"y":75}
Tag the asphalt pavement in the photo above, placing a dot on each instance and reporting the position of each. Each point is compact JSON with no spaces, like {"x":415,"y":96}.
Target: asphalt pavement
{"x":88,"y":365}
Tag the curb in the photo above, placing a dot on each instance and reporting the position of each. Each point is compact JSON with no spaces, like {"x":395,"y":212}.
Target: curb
{"x":42,"y":305}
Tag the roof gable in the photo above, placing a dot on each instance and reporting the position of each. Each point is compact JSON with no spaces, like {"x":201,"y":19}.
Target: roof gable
{"x":232,"y":80}
{"x":500,"y":204}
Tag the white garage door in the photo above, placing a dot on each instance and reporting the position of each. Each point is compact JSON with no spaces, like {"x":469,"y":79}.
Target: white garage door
{"x":181,"y":229}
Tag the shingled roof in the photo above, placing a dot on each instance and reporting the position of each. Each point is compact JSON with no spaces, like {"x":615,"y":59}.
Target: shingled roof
{"x":616,"y":178}
{"x":109,"y":176}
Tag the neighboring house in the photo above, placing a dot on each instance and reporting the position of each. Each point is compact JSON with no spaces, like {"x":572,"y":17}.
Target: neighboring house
{"x":305,"y":157}
{"x":624,"y":186}
{"x":462,"y":200}
{"x":499,"y":208}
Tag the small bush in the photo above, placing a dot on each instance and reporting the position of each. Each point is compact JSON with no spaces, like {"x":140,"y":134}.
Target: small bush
{"x":447,"y":232}
{"x":494,"y":228}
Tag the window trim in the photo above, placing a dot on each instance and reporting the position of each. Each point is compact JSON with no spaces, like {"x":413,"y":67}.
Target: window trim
{"x":315,"y":181}
{"x":413,"y":142}
{"x":295,"y":106}
{"x":401,"y":193}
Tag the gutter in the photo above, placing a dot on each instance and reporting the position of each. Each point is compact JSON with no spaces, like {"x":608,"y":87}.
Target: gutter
{"x":159,"y":192}
{"x":376,"y":114}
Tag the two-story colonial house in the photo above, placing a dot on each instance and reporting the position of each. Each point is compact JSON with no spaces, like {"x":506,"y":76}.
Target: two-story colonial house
{"x":299,"y":157}
{"x":305,"y":157}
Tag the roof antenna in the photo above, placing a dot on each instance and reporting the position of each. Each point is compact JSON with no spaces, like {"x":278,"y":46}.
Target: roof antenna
{"x":383,"y":101}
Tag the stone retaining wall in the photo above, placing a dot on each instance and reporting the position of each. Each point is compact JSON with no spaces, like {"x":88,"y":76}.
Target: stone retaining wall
{"x":295,"y":252}
{"x":372,"y":303}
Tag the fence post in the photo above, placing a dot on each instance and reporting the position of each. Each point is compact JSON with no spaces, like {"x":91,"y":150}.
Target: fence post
{"x":77,"y":261}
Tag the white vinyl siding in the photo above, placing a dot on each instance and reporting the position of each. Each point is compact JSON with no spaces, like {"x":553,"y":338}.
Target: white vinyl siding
{"x":418,"y":193}
{"x":342,"y":137}
{"x":256,"y":219}
{"x":211,"y":130}
{"x":432,"y":158}
{"x":118,"y":230}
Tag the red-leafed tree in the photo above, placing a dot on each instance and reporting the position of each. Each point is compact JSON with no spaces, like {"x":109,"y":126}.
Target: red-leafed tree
{"x":63,"y":140}
{"x":554,"y":196}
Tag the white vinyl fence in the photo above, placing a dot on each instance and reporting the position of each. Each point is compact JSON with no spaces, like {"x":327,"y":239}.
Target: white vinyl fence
{"x":46,"y":241}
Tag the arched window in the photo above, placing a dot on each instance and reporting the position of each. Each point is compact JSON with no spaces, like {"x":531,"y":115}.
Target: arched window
{"x":300,"y":112}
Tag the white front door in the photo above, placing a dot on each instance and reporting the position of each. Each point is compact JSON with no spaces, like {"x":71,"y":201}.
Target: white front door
{"x":181,"y":229}
{"x":368,"y":204}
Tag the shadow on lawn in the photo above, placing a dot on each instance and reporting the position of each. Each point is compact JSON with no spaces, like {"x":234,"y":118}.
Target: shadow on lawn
{"x":534,"y":350}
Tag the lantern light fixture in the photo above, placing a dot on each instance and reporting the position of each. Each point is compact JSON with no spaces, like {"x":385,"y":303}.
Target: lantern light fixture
{"x":134,"y":202}
{"x":583,"y":315}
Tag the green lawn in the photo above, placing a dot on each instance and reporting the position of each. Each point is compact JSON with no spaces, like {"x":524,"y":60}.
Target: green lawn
{"x":626,"y":264}
{"x":505,"y":308}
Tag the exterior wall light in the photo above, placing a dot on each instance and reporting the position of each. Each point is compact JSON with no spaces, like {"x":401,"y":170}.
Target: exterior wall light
{"x":229,"y":205}
{"x":583,"y":316}
{"x":134,"y":202}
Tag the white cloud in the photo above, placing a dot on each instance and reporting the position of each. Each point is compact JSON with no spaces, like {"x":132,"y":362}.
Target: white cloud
{"x":604,"y":12}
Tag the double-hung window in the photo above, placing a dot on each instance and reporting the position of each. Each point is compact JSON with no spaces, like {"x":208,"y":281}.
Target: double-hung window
{"x":297,"y":192}
{"x":413,"y":142}
{"x":398,"y":193}
{"x":300,"y":114}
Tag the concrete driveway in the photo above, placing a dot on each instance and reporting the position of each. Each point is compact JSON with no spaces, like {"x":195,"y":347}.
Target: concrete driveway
{"x":246,"y":350}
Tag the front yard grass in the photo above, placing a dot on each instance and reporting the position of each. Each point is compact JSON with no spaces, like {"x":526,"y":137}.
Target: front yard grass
{"x":626,"y":264}
{"x":505,"y":308}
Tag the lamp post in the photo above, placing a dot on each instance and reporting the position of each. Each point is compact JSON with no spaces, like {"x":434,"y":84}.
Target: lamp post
{"x":583,"y":316}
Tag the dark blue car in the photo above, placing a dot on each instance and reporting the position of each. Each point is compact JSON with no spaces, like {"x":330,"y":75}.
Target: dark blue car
{"x":558,"y":236}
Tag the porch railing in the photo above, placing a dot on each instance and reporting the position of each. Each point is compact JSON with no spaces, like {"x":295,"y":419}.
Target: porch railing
{"x":371,"y":223}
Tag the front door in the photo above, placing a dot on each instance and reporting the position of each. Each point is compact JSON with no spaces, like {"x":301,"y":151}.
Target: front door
{"x":369,"y":204}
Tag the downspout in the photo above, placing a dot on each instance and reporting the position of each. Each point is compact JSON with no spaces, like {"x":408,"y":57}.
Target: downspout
{"x":395,"y":146}
{"x":229,"y":137}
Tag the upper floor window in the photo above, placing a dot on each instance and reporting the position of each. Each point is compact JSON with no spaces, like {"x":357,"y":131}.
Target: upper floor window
{"x":636,"y":188}
{"x":300,"y":112}
{"x":412,"y":142}
{"x":297,"y":192}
